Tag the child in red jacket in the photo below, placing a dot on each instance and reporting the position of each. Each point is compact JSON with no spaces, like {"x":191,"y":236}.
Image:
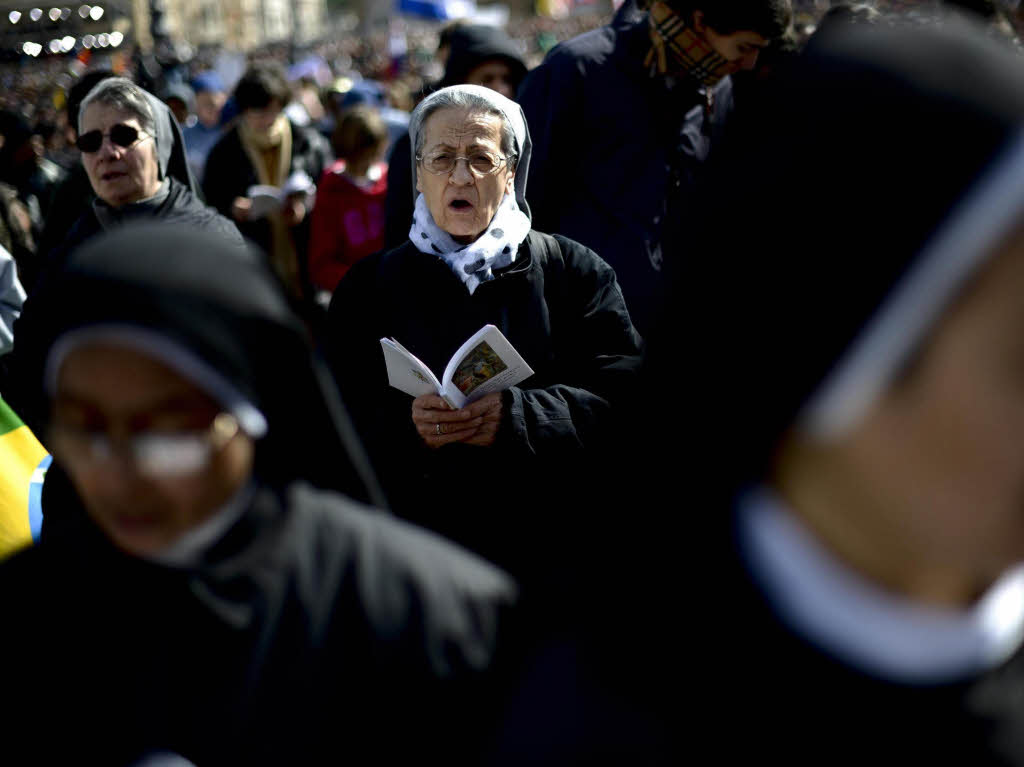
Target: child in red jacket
{"x":348,"y":218}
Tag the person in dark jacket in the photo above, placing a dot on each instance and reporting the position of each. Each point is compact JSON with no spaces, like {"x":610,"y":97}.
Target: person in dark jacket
{"x":854,"y":470}
{"x":134,"y":156}
{"x":265,"y":148}
{"x":489,"y":474}
{"x":631,"y":111}
{"x":212,"y":600}
{"x":477,"y":55}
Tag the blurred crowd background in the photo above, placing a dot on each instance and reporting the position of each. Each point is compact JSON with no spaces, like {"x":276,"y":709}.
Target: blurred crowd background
{"x":328,"y":47}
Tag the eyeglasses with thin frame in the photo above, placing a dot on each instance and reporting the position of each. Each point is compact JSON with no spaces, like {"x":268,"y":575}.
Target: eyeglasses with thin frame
{"x":124,"y":136}
{"x":155,"y":454}
{"x":480,"y":164}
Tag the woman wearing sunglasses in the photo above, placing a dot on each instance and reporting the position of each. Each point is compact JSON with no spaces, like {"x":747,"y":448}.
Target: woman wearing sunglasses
{"x":134,"y":156}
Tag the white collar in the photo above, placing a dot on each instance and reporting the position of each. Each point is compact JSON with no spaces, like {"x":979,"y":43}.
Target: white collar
{"x":191,"y":545}
{"x":476,"y":262}
{"x":861,"y":624}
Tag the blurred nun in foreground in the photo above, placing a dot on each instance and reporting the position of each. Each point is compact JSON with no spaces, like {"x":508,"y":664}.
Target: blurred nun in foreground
{"x":857,"y":492}
{"x":199,"y":591}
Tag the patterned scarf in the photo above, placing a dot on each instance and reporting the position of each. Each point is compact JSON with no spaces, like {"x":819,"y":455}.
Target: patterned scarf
{"x":677,"y":49}
{"x":476,"y":262}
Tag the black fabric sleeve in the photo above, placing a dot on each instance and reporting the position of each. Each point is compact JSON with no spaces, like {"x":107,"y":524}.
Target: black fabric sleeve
{"x":548,"y":96}
{"x":600,"y":355}
{"x":220,"y":179}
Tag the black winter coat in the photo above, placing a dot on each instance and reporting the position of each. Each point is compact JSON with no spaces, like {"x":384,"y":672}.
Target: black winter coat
{"x":180,"y":207}
{"x":561,"y":307}
{"x":229,"y":174}
{"x":314,"y":632}
{"x":616,"y":152}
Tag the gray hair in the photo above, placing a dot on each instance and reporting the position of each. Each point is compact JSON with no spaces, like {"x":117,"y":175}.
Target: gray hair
{"x":453,"y":98}
{"x":124,"y":95}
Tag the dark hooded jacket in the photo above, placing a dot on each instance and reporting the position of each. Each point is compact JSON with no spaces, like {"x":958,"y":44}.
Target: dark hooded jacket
{"x":617,"y":152}
{"x":471,"y":46}
{"x":313,"y":630}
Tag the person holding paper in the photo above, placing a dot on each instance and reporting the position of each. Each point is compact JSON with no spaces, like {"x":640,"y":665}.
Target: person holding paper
{"x":265,"y":149}
{"x":472,"y":260}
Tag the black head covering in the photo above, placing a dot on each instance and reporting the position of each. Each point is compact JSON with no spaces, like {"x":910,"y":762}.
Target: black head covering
{"x":472,"y":45}
{"x":198,"y":291}
{"x":170,"y":144}
{"x":831,"y":195}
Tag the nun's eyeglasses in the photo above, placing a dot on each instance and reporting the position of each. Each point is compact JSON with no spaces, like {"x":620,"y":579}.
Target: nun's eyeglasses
{"x":157,"y":455}
{"x":479,"y":163}
{"x":120,"y":134}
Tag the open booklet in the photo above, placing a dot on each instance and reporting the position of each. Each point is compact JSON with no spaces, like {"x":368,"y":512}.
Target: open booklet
{"x":266,"y":199}
{"x":486,"y":363}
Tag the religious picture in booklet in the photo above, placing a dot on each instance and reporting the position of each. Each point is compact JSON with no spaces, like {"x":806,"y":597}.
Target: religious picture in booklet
{"x":485,"y":363}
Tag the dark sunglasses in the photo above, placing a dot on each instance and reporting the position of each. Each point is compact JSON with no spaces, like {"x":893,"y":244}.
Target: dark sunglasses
{"x":120,"y":134}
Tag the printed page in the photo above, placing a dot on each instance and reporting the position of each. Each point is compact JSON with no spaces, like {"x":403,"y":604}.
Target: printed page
{"x":265,"y":199}
{"x":298,"y":183}
{"x":486,"y":363}
{"x":406,"y":372}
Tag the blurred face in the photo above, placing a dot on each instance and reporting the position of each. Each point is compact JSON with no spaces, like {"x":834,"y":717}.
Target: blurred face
{"x":119,"y":175}
{"x":740,"y":48}
{"x":460,"y":202}
{"x":116,"y":396}
{"x":208,"y":107}
{"x":496,"y":75}
{"x":934,"y":475}
{"x":260,"y":120}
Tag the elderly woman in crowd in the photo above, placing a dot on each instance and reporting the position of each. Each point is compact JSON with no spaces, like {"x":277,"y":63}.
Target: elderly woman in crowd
{"x":482,"y":474}
{"x":265,"y":148}
{"x":134,"y":156}
{"x":201,"y":593}
{"x":477,"y":55}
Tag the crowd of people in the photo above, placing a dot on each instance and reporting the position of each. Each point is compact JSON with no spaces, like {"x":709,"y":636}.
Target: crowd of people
{"x":726,"y":452}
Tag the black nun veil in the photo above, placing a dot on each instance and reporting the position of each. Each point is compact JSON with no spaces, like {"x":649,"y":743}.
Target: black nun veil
{"x":198,"y":291}
{"x":170,"y":145}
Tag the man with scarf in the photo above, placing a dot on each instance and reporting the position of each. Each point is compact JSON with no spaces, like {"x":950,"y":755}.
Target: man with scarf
{"x":631,"y":111}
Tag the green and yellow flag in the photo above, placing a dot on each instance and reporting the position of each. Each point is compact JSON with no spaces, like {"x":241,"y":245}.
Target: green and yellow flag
{"x":23,"y":464}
